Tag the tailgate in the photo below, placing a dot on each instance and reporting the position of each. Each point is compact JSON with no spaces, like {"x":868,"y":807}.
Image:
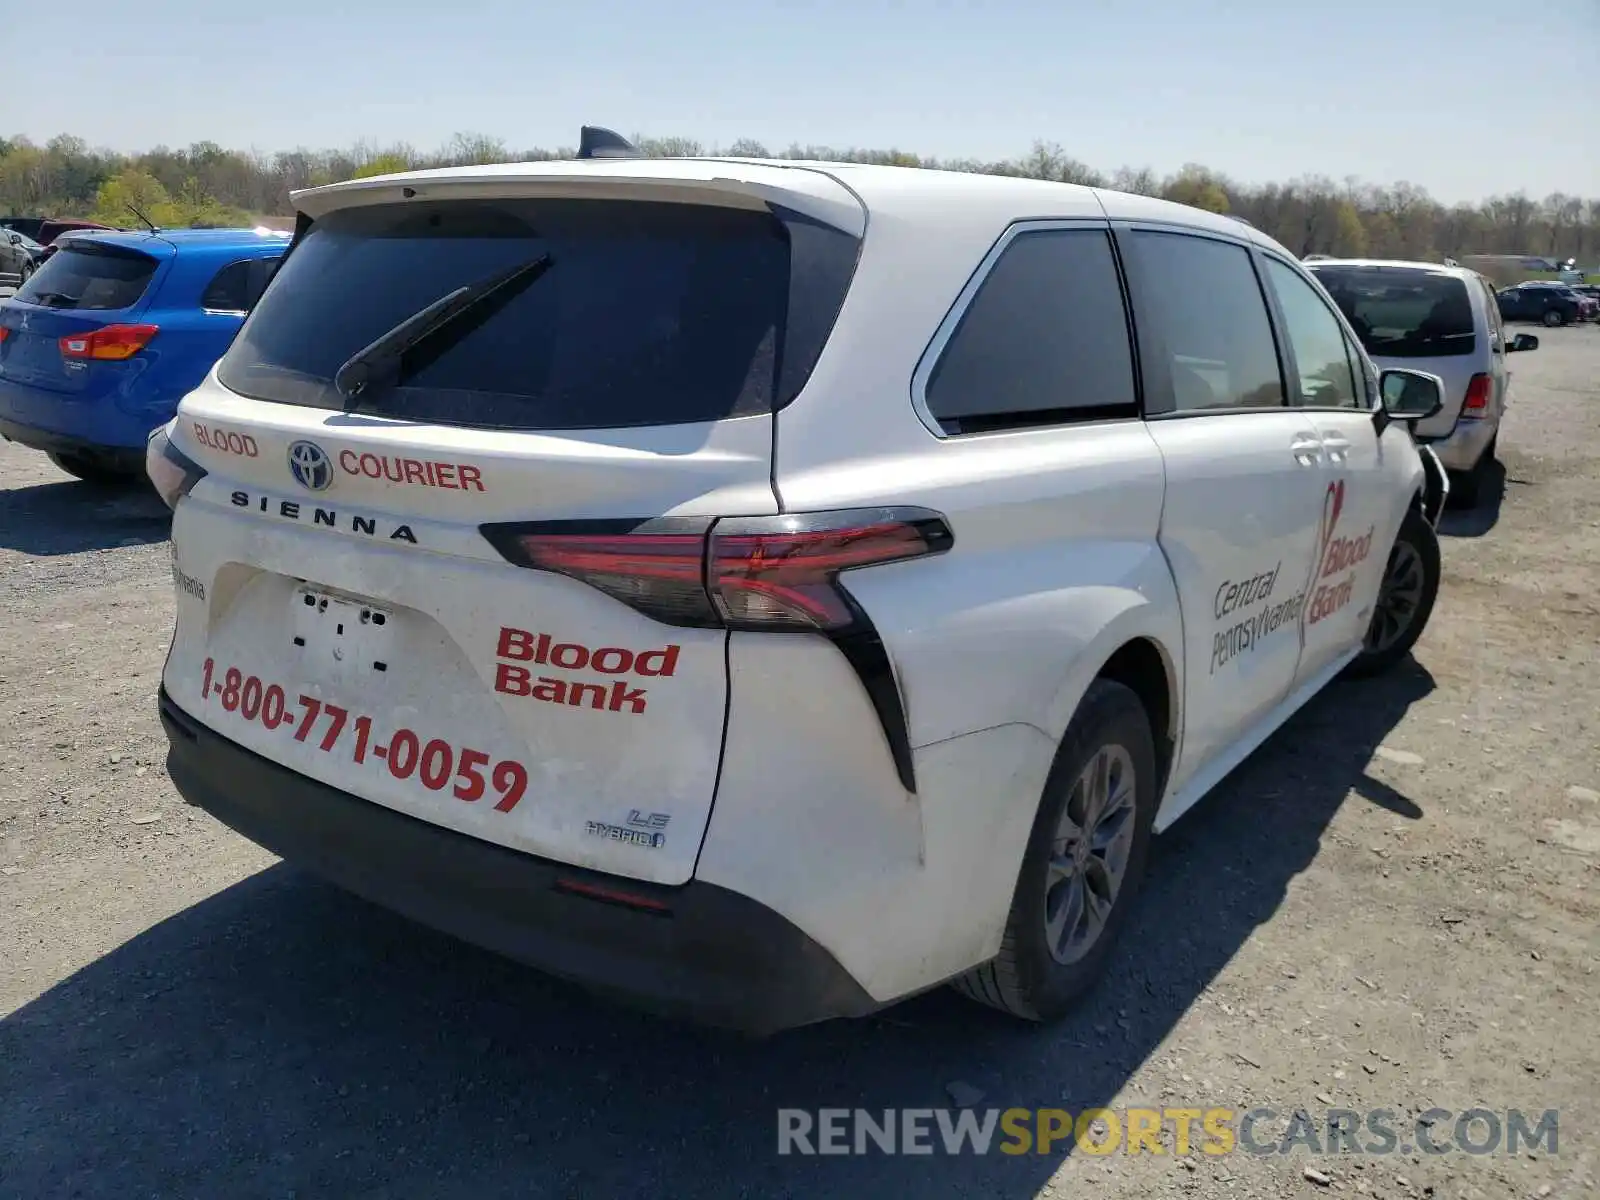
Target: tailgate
{"x":342,"y":607}
{"x":366,"y":634}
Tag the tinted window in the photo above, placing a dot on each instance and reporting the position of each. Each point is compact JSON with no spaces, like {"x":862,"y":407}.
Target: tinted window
{"x":1492,"y":309}
{"x":1321,"y":357}
{"x":238,"y":285}
{"x":647,"y":313}
{"x":86,"y":275}
{"x":1204,"y":294}
{"x":1401,"y":312}
{"x":1044,"y":340}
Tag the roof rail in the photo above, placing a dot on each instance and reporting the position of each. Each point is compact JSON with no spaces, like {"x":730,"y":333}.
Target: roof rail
{"x":597,"y":142}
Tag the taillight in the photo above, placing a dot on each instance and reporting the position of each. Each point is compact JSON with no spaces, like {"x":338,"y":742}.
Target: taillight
{"x":4,"y":333}
{"x":783,"y":572}
{"x":657,"y":567}
{"x":760,"y":573}
{"x":173,"y":472}
{"x":1477,"y":402}
{"x":748,"y":573}
{"x":111,"y":343}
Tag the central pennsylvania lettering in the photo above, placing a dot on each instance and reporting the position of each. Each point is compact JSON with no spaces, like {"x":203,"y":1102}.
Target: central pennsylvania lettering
{"x":521,"y":646}
{"x":1232,"y":597}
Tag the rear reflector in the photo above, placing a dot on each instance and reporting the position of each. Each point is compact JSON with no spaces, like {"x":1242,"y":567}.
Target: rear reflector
{"x":608,"y":895}
{"x":112,"y":343}
{"x":1477,"y":402}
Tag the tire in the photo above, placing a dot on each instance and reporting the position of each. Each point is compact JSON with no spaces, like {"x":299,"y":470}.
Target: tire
{"x":1416,"y":549}
{"x":91,"y":472}
{"x":1466,"y":487}
{"x":1027,"y":978}
{"x":1554,"y":318}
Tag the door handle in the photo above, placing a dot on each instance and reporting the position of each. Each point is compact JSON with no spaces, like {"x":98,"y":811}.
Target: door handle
{"x":1338,"y":448}
{"x":1307,"y":451}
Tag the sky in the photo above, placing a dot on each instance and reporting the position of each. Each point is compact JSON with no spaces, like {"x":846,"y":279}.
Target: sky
{"x":1463,"y":98}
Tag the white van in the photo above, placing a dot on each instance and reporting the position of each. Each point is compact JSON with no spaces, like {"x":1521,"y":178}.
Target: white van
{"x":771,"y":589}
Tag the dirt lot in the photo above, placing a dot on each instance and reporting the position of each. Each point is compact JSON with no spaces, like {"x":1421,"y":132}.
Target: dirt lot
{"x":1393,"y":904}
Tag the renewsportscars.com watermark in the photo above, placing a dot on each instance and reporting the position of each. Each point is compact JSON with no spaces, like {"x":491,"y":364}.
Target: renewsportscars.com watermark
{"x":1179,"y":1131}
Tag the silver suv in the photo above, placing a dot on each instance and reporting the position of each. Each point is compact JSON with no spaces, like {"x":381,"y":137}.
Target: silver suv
{"x":1445,"y":321}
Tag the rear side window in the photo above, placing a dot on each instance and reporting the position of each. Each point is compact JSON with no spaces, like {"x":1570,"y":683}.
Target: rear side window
{"x":1212,"y":319}
{"x":1401,"y":312}
{"x":1321,"y":354}
{"x":641,"y":313}
{"x":90,"y":276}
{"x":1044,"y":340}
{"x":238,"y":285}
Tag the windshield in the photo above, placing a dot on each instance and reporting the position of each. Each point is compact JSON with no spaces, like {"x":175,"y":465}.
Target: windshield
{"x":652,"y":313}
{"x":1398,"y":312}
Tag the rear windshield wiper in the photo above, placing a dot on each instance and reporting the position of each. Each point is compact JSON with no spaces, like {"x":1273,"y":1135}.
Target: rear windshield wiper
{"x":435,"y":328}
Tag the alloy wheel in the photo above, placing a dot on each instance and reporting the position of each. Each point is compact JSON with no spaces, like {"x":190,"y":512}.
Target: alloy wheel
{"x":1399,"y":598}
{"x":1089,"y":856}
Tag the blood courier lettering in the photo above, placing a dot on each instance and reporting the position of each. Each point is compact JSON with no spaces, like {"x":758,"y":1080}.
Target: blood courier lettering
{"x":518,"y":646}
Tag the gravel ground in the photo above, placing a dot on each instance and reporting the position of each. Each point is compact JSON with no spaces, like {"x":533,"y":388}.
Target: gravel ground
{"x":1392,"y":905}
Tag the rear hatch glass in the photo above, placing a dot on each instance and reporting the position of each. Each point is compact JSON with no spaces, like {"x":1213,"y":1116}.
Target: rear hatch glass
{"x":91,"y":276}
{"x":1399,"y":312}
{"x":616,"y":314}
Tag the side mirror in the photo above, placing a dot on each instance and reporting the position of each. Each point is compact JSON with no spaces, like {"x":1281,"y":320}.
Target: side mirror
{"x":1409,"y":395}
{"x":1523,"y":341}
{"x":16,"y":239}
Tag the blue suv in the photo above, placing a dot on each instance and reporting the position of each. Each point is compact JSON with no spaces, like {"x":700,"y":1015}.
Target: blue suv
{"x":98,"y":347}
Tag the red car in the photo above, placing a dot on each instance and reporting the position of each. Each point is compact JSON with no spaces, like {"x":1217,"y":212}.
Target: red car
{"x":50,"y":233}
{"x":54,"y":227}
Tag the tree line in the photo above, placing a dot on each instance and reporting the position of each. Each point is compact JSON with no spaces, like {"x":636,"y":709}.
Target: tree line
{"x":205,"y":184}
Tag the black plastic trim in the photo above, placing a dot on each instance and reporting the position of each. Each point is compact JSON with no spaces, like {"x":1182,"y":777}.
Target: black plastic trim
{"x":696,"y":951}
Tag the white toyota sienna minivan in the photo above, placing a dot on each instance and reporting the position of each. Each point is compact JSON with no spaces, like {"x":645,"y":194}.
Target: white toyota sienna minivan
{"x":767,"y":590}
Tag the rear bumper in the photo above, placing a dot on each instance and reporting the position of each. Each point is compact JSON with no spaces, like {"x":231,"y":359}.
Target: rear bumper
{"x":710,"y":955}
{"x":114,"y":458}
{"x":1463,"y":446}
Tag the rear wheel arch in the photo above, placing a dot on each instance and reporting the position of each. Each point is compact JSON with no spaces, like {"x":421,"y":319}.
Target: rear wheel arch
{"x":1144,"y":667}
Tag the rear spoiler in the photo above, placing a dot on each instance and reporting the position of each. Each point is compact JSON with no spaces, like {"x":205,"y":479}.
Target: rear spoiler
{"x":806,"y":190}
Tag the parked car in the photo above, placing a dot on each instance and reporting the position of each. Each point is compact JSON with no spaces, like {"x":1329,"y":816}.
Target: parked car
{"x":60,"y":240}
{"x":1443,"y":320}
{"x":1591,"y":293}
{"x":517,"y":526}
{"x":50,"y":230}
{"x":99,"y":345}
{"x":25,"y":225}
{"x":19,"y":257}
{"x":1551,"y":304}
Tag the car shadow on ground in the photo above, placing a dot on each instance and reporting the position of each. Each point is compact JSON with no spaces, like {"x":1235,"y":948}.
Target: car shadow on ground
{"x":1477,"y":521}
{"x":70,"y":517}
{"x":281,"y":1038}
